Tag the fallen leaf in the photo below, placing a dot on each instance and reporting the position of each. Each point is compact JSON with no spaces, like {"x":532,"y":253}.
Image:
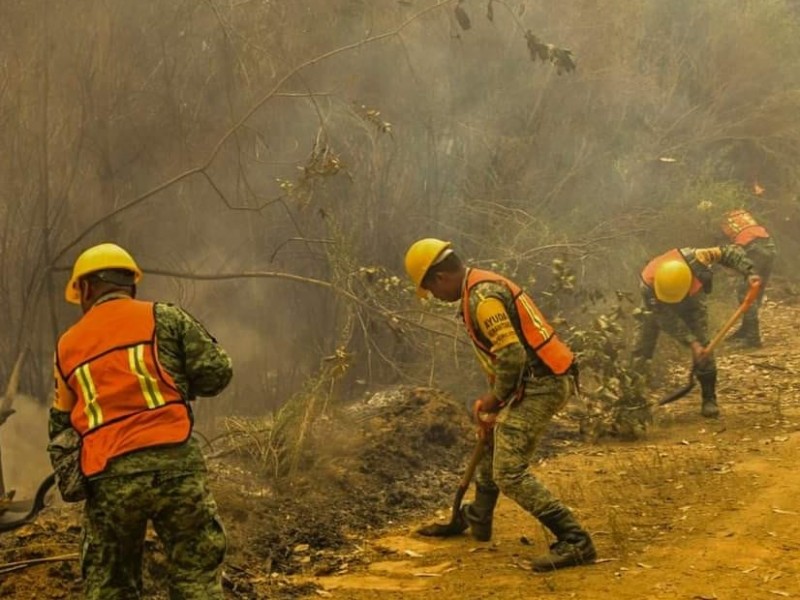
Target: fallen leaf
{"x":783,"y":512}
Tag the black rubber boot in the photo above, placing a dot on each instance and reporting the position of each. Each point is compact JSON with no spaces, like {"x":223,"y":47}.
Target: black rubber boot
{"x":738,"y":334}
{"x":708,"y":387}
{"x":479,"y":514}
{"x":573,"y":545}
{"x":749,"y":334}
{"x":752,"y":337}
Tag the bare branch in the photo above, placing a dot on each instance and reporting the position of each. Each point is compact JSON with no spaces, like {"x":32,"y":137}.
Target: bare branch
{"x":386,"y":314}
{"x":244,"y":118}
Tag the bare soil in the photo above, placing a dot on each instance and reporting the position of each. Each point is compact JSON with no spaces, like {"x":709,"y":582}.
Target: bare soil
{"x":701,"y":509}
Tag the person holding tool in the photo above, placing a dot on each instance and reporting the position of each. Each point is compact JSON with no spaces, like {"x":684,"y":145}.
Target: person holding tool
{"x":743,"y":230}
{"x":532,"y":374}
{"x":125,"y":373}
{"x":673,"y":286}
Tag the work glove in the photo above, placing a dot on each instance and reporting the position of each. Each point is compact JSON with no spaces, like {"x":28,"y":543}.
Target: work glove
{"x":754,"y":280}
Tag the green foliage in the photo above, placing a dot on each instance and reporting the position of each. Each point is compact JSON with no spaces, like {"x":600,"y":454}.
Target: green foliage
{"x":613,"y":387}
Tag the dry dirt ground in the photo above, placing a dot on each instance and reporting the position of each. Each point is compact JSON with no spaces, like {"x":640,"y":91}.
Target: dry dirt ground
{"x":700,"y":509}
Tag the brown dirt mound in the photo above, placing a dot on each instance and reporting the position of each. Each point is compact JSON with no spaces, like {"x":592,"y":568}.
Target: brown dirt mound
{"x":392,"y":457}
{"x":379,"y":461}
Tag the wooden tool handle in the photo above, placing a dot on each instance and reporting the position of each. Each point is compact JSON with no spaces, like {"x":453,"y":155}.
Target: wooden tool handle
{"x":751,"y":296}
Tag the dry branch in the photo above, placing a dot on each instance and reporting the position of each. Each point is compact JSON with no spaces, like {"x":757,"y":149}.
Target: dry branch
{"x":243,"y":119}
{"x":24,"y":564}
{"x":386,"y":314}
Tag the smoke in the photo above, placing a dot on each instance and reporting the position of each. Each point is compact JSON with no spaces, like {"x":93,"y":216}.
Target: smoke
{"x":23,"y":440}
{"x":436,"y":131}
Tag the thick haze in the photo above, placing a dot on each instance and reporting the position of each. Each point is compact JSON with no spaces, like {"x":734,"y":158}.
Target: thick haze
{"x":255,"y":120}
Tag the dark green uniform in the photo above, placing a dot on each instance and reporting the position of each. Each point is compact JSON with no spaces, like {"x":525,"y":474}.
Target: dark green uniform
{"x":164,"y":485}
{"x":761,"y":252}
{"x":687,"y":320}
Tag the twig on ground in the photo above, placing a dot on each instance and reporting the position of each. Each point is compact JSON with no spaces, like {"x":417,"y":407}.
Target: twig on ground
{"x":24,"y":564}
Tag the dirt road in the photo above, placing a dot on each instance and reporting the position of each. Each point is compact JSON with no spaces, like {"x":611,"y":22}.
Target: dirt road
{"x":701,"y":514}
{"x":700,"y":510}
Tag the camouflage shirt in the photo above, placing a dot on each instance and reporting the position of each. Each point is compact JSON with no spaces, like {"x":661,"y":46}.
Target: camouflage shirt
{"x":198,"y":366}
{"x":492,"y":309}
{"x":671,"y":317}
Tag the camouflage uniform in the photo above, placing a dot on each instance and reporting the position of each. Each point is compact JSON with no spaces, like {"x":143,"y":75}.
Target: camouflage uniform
{"x":518,"y":429}
{"x":165,"y":485}
{"x":533,"y":395}
{"x":761,"y":252}
{"x":687,"y":320}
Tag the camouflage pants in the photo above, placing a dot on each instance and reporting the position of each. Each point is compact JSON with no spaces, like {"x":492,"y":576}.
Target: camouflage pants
{"x":517,"y":432}
{"x":692,"y":312}
{"x":184,"y":515}
{"x":762,"y":254}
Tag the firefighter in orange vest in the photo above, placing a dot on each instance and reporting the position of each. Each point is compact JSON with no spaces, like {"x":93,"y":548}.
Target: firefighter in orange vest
{"x":743,"y":230}
{"x":124,"y":376}
{"x":532,"y":375}
{"x":673,"y":286}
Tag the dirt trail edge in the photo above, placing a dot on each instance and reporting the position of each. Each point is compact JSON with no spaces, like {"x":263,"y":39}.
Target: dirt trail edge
{"x":703,"y":509}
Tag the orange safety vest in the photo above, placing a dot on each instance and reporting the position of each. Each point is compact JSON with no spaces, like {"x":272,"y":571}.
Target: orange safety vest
{"x":537,"y":333}
{"x":125,"y":399}
{"x":742,"y":228}
{"x":649,"y":272}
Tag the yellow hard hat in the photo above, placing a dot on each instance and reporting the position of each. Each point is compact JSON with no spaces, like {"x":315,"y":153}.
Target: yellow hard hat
{"x":99,"y":258}
{"x":420,"y":257}
{"x":673,"y":278}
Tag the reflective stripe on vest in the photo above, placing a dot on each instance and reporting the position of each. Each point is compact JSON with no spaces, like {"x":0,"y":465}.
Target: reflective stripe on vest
{"x":125,"y":400}
{"x":649,"y":272}
{"x":742,"y":228}
{"x":147,"y":382}
{"x":94,"y":413}
{"x":536,"y":332}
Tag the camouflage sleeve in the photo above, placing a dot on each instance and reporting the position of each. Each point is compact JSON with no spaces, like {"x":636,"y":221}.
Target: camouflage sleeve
{"x":198,"y":364}
{"x":730,"y":255}
{"x":492,"y":315}
{"x":511,"y":361}
{"x":734,"y":257}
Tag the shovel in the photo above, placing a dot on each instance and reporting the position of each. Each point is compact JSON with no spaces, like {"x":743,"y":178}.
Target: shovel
{"x":456,"y":524}
{"x":751,"y":296}
{"x":18,"y":513}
